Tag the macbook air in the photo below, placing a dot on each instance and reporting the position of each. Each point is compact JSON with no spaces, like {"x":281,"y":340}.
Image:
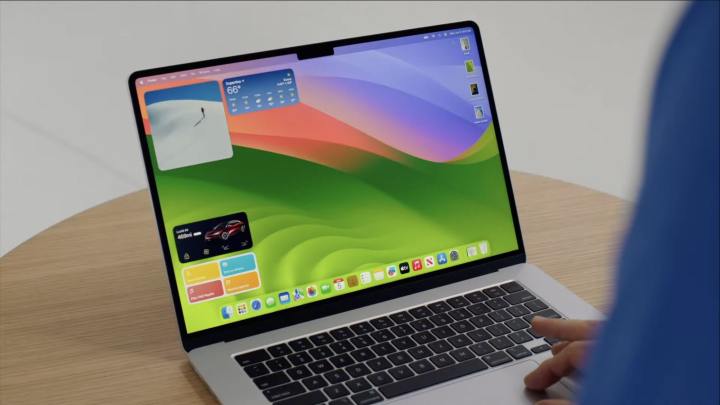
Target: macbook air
{"x":339,"y":227}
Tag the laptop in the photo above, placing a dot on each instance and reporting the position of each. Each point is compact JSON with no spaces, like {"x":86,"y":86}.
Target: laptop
{"x":338,"y":224}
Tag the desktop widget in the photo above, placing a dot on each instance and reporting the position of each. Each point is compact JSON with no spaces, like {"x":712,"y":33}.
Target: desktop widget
{"x":219,"y":278}
{"x":212,"y":237}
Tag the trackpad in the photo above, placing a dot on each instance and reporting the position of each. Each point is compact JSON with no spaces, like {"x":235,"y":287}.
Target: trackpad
{"x":502,"y":386}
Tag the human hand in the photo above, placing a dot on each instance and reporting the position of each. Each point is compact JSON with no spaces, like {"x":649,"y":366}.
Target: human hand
{"x":568,"y":354}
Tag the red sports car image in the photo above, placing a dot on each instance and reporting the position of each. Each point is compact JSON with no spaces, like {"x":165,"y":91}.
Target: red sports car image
{"x":225,"y":230}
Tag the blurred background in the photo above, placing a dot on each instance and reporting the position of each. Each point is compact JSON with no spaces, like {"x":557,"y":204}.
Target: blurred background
{"x":571,"y":82}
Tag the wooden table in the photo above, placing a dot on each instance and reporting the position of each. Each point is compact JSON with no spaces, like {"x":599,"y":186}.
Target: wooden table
{"x":86,"y":315}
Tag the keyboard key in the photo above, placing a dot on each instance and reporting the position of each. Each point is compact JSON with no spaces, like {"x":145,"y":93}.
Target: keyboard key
{"x":457,"y":302}
{"x":420,"y":312}
{"x":401,"y":317}
{"x":440,"y":346}
{"x":362,"y":328}
{"x":500,"y":342}
{"x":460,"y":314}
{"x":498,"y":329}
{"x":442,"y":360}
{"x":256,"y":370}
{"x":342,"y":401}
{"x":479,"y":335}
{"x":358,"y":384}
{"x":481,"y":321}
{"x":519,"y":297}
{"x":421,"y":325}
{"x":256,"y":356}
{"x":423,"y":337}
{"x":321,"y":339}
{"x":402,"y":330}
{"x":519,"y":352}
{"x":517,"y":324}
{"x":462,"y":354}
{"x":500,"y":316}
{"x":299,"y":358}
{"x":403,"y":343}
{"x":363,"y":354}
{"x":321,"y":352}
{"x":541,"y":348}
{"x":301,"y":344}
{"x":399,"y":358}
{"x":314,"y":383}
{"x":378,"y":364}
{"x":494,"y":292}
{"x":382,"y":335}
{"x":382,"y":322}
{"x":357,"y":370}
{"x":271,"y":380}
{"x":299,"y":373}
{"x":362,"y":341}
{"x":443,"y":332}
{"x":420,"y":352}
{"x":476,"y":296}
{"x":441,"y":319}
{"x":439,"y":307}
{"x":400,"y":373}
{"x":383,"y":349}
{"x":511,"y":287}
{"x":536,"y":305}
{"x":518,"y":311}
{"x":335,"y":391}
{"x":278,"y":364}
{"x":421,"y":366}
{"x":478,"y":309}
{"x":548,"y":313}
{"x":283,"y":391}
{"x":459,"y":341}
{"x":432,"y":378}
{"x":520,"y":337}
{"x":341,"y":360}
{"x":336,"y":376}
{"x":481,"y":349}
{"x":320,"y":367}
{"x":533,"y":333}
{"x":342,"y":346}
{"x":367,"y":397}
{"x":496,"y":359}
{"x":342,"y":333}
{"x":279,"y":350}
{"x":551,"y":341}
{"x":310,"y":398}
{"x":462,"y":327}
{"x":379,"y":379}
{"x":497,"y":303}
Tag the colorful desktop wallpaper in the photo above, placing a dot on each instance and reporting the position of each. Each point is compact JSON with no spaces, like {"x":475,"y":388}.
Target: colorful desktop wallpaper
{"x":382,"y":159}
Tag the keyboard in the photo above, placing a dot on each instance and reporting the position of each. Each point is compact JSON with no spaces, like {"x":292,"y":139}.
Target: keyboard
{"x":388,"y":356}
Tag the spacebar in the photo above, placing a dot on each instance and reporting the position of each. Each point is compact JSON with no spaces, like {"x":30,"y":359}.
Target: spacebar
{"x":435,"y":377}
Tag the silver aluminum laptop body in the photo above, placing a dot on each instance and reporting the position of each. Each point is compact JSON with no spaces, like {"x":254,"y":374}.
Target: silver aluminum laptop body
{"x":501,"y":385}
{"x":212,"y":354}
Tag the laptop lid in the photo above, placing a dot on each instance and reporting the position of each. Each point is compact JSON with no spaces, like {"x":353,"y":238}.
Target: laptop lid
{"x":302,"y":182}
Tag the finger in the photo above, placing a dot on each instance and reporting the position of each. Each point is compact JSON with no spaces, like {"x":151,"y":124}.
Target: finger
{"x":557,"y":367}
{"x":553,"y":402}
{"x":559,"y":346}
{"x":564,"y":329}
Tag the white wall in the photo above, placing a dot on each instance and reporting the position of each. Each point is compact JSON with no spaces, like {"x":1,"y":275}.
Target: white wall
{"x":571,"y":83}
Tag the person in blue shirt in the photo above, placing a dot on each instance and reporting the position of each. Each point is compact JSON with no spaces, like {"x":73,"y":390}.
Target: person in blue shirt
{"x":659,"y":344}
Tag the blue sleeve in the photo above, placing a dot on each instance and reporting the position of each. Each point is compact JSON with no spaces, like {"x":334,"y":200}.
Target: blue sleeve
{"x":660,"y":342}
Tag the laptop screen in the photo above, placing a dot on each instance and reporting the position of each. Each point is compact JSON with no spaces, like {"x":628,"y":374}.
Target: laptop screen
{"x":284,"y":181}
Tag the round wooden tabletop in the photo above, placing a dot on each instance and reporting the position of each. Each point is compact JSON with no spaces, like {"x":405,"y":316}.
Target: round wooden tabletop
{"x":86,"y":315}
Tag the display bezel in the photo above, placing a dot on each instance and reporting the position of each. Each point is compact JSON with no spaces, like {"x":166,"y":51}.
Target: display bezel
{"x":346,"y":302}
